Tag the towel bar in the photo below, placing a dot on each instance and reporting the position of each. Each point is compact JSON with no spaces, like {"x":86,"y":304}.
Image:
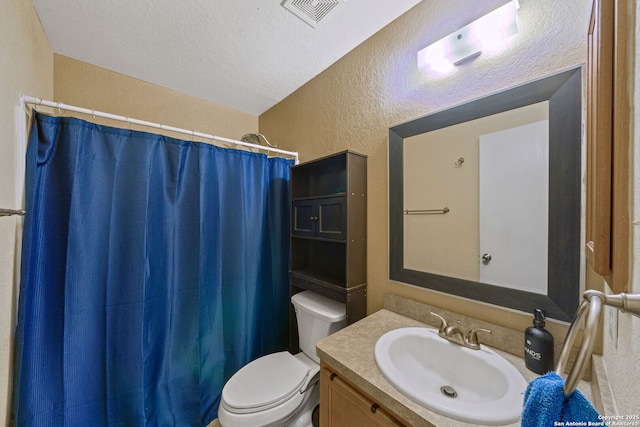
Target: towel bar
{"x":593,"y":302}
{"x":426,"y":211}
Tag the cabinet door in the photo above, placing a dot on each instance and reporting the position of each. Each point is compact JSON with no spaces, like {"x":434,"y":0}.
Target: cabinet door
{"x":599,"y":136}
{"x":325,"y":218}
{"x":332,"y":218}
{"x":303,"y":218}
{"x":609,"y":120}
{"x":342,"y":405}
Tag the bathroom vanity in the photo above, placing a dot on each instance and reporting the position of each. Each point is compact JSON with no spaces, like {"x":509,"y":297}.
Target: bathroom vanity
{"x":354,"y":391}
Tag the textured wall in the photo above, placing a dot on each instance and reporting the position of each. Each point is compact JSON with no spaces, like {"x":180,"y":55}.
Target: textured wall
{"x":353,"y":103}
{"x":350,"y":105}
{"x":89,"y":86}
{"x":26,"y":67}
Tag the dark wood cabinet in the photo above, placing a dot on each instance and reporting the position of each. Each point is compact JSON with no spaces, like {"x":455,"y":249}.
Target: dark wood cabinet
{"x":322,"y":217}
{"x":329,"y":231}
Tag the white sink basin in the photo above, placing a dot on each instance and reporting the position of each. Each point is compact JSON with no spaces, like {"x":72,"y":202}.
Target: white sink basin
{"x":430,"y":370}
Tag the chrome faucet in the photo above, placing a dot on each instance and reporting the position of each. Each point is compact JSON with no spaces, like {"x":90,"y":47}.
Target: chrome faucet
{"x":457,"y":336}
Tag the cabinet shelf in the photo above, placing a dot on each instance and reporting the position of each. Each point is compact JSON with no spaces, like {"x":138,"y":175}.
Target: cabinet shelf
{"x":320,"y":257}
{"x":324,"y":176}
{"x":317,"y":239}
{"x":322,"y":277}
{"x":322,"y":196}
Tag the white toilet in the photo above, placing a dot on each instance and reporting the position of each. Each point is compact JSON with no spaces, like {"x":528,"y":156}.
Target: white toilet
{"x":282,"y":389}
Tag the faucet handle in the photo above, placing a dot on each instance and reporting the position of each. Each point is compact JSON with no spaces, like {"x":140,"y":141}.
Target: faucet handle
{"x":472,"y":338}
{"x":443,"y":323}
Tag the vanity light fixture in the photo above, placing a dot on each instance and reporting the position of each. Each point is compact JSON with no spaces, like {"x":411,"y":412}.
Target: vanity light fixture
{"x":484,"y":35}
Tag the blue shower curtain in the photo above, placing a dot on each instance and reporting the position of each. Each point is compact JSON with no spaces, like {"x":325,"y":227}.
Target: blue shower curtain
{"x":152,"y":269}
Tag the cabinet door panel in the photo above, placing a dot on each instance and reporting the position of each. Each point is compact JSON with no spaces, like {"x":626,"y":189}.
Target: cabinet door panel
{"x":599,"y":136}
{"x":342,"y":405}
{"x":609,"y":124}
{"x":332,"y":218}
{"x":303,"y":220}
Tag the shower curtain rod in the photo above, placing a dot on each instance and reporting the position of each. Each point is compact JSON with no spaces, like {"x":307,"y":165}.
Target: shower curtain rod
{"x":24,"y":99}
{"x":11,"y":212}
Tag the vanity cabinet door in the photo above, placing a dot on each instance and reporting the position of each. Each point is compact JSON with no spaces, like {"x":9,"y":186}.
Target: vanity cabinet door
{"x":342,"y":405}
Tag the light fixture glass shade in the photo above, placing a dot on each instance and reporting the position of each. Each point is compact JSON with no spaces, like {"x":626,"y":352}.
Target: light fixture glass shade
{"x":486,"y":34}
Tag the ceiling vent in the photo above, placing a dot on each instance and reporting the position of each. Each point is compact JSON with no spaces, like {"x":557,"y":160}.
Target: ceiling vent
{"x":311,"y":11}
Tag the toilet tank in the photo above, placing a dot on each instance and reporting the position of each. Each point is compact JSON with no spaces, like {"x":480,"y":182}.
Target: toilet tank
{"x":317,"y":317}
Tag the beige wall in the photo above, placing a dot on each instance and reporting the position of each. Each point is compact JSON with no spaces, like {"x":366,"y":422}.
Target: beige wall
{"x":350,"y":105}
{"x":26,"y":67}
{"x":377,"y":85}
{"x":353,"y":103}
{"x":84,"y":85}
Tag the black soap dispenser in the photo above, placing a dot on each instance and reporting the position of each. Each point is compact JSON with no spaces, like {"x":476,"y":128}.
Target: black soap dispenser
{"x":538,"y":345}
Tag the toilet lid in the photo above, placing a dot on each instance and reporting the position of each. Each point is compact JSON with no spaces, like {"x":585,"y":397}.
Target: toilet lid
{"x":265,"y":382}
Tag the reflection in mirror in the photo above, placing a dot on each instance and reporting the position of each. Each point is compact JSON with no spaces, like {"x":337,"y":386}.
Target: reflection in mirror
{"x":497,"y":199}
{"x":485,"y":198}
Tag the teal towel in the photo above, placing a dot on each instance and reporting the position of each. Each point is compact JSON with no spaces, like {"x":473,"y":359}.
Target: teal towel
{"x":545,"y":404}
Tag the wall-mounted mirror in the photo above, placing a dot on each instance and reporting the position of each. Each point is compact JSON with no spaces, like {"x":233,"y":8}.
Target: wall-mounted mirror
{"x":484,"y":198}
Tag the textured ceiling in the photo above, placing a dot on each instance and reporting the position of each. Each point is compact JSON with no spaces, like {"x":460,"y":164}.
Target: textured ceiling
{"x":244,"y":54}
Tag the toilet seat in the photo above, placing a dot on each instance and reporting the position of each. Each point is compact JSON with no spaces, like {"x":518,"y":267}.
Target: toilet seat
{"x":265,"y":383}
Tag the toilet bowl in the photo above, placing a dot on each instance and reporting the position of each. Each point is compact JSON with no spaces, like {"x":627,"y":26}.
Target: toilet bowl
{"x":281,"y":389}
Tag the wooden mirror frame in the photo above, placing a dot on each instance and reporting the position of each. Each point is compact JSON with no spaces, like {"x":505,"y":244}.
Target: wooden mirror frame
{"x":564,"y":93}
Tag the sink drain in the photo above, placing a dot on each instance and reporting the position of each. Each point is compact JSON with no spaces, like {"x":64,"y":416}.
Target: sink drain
{"x":449,"y":391}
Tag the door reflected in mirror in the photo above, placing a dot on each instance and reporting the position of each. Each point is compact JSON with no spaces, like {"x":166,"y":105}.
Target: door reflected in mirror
{"x":496,"y":228}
